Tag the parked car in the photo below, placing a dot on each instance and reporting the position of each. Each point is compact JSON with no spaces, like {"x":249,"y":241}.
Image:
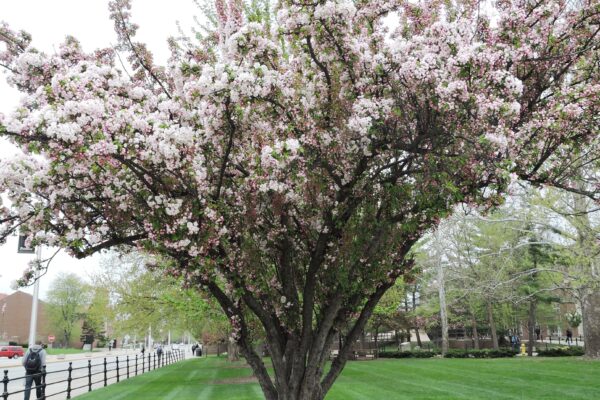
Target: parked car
{"x":11,"y":351}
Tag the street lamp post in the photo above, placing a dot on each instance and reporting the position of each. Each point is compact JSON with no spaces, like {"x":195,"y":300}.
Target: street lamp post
{"x":23,"y":248}
{"x":3,"y":326}
{"x":34,"y":304}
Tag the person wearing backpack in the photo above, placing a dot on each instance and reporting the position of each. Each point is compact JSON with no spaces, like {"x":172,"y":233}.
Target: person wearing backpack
{"x":159,"y":352}
{"x":34,"y":360}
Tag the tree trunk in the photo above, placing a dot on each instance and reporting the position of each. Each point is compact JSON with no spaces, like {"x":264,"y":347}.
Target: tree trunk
{"x":443,"y":311}
{"x":591,"y":323}
{"x":475,"y":332}
{"x":376,"y":338}
{"x":418,"y":337}
{"x":531,"y":326}
{"x":233,"y":351}
{"x":299,"y":357}
{"x":492,"y":323}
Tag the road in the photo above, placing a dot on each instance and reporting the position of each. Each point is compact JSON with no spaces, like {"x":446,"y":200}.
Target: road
{"x":57,"y":373}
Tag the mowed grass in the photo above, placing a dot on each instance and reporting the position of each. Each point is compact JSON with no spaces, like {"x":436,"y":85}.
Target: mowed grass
{"x":64,"y":351}
{"x":519,"y":378}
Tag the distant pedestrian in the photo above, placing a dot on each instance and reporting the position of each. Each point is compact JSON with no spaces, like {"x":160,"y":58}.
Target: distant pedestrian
{"x":143,"y":350}
{"x":114,"y":343}
{"x":159,"y":353}
{"x":110,"y":345}
{"x":34,"y":361}
{"x":537,"y":332}
{"x":569,"y":337}
{"x":194,"y":347}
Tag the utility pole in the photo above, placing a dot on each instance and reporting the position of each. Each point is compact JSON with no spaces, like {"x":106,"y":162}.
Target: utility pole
{"x":34,"y":303}
{"x":24,"y":249}
{"x":441,"y":290}
{"x":3,"y":327}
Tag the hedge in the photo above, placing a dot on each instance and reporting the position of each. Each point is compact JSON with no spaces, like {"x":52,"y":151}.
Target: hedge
{"x":483,"y":353}
{"x":452,"y":353}
{"x":562,"y":352}
{"x":407,"y":354}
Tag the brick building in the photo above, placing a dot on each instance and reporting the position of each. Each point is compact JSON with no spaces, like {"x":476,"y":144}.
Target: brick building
{"x":15,"y":314}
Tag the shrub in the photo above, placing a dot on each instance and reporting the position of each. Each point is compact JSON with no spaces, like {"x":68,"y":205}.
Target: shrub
{"x":452,"y":353}
{"x":562,"y":352}
{"x":483,"y":353}
{"x":407,"y":354}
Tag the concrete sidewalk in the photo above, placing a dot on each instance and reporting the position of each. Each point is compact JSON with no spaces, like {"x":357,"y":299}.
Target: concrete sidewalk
{"x":8,"y":363}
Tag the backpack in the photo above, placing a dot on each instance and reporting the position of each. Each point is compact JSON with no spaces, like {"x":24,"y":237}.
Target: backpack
{"x":33,"y":362}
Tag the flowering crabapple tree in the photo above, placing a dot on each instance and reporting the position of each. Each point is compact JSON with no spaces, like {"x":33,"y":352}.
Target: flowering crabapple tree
{"x":288,"y":161}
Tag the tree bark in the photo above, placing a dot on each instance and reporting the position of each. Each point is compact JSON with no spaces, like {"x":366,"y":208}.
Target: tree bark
{"x":414,"y":308}
{"x":475,"y":332}
{"x":377,"y":339}
{"x":531,"y":326}
{"x":591,"y":323}
{"x":233,"y":352}
{"x":492,"y":323}
{"x":441,"y":292}
{"x":443,"y":310}
{"x":418,"y":335}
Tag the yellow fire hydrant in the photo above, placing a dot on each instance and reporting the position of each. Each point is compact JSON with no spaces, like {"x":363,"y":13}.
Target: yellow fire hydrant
{"x":523,"y":349}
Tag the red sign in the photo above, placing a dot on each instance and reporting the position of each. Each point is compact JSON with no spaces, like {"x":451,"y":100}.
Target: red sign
{"x":51,"y":339}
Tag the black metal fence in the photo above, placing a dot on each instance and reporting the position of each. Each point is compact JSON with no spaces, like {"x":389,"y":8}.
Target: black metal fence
{"x":84,"y":378}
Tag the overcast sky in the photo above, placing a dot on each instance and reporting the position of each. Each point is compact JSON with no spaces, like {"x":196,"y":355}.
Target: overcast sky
{"x":49,"y":22}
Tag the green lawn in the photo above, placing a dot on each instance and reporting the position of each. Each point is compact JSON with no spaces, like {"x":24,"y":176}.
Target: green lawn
{"x":65,"y":351}
{"x":520,"y":378}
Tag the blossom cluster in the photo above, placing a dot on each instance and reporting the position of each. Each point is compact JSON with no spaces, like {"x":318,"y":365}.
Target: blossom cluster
{"x":314,"y":136}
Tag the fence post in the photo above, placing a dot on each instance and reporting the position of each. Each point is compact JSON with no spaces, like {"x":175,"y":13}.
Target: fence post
{"x":117,"y":369}
{"x":149,"y":365}
{"x":43,"y":382}
{"x":136,"y":365}
{"x":105,"y":371}
{"x":70,"y":369}
{"x":5,"y":382}
{"x":89,"y":375}
{"x":127,"y":362}
{"x":154,"y":360}
{"x":143,"y":363}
